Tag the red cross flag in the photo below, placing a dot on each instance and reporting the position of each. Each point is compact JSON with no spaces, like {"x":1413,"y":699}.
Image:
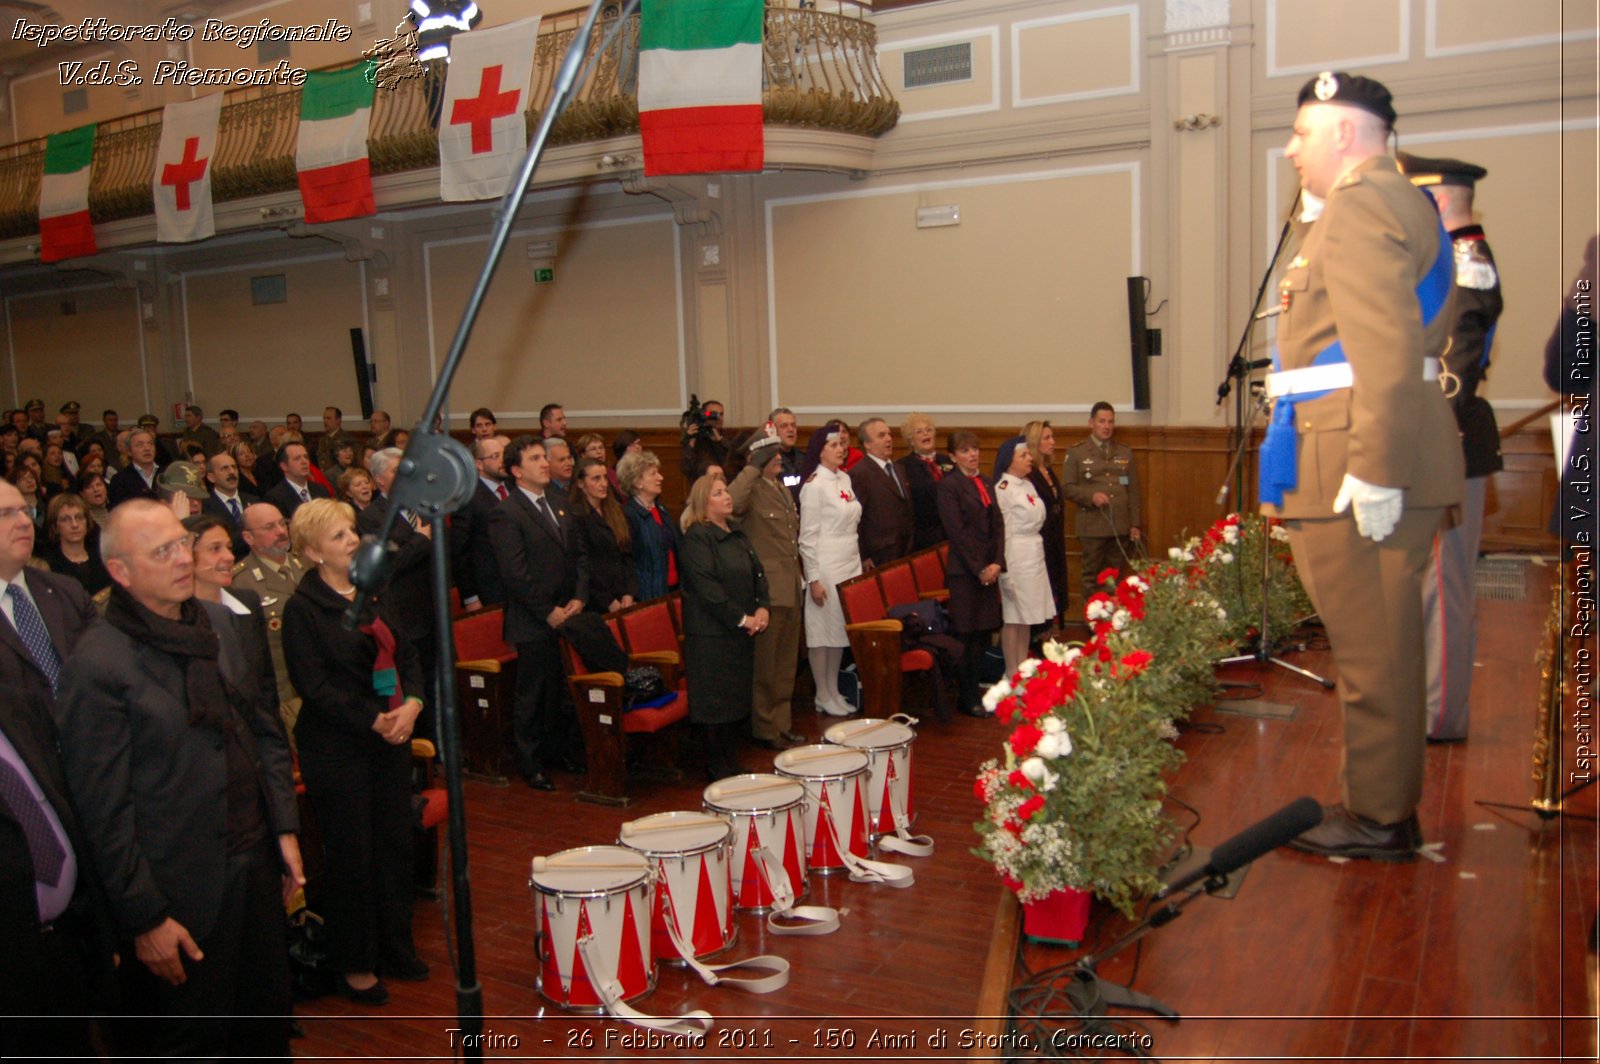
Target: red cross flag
{"x":482,"y":132}
{"x":182,"y":181}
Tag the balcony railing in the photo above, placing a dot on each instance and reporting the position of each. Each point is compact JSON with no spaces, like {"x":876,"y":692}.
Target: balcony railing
{"x":820,"y":72}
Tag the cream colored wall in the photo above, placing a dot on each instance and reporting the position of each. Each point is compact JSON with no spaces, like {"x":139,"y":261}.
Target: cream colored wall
{"x":94,"y":355}
{"x":267,"y":360}
{"x":36,"y":100}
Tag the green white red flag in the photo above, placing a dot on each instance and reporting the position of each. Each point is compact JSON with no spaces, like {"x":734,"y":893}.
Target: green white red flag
{"x":330,"y":157}
{"x":65,"y":231}
{"x":700,"y":85}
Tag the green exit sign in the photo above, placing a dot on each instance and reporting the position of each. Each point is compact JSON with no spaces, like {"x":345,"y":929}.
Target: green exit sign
{"x":544,"y":275}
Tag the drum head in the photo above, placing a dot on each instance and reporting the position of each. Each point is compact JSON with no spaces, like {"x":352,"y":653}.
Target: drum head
{"x":591,"y":871}
{"x":820,"y":762}
{"x":869,"y":734}
{"x":754,"y":792}
{"x":677,"y":834}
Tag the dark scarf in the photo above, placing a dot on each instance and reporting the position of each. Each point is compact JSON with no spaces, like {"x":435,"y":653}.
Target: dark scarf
{"x":191,"y":639}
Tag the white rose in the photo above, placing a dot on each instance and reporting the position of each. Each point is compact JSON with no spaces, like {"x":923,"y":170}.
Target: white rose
{"x":1034,"y":769}
{"x":1222,"y":614}
{"x":1050,"y":745}
{"x":1175,"y":553}
{"x":1028,"y":668}
{"x":1052,"y":726}
{"x":1073,"y":654}
{"x":1120,"y":619}
{"x":993,"y":696}
{"x":1226,"y":558}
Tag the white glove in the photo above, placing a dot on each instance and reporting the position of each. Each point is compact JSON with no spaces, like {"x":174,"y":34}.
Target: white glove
{"x":1377,"y":507}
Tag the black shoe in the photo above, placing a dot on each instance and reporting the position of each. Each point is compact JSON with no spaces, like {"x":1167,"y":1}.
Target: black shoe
{"x":411,"y":970}
{"x":1445,"y":740}
{"x":976,"y":711}
{"x":539,"y":782}
{"x":772,"y":744}
{"x":376,"y":994}
{"x":1344,"y":834}
{"x":793,"y":738}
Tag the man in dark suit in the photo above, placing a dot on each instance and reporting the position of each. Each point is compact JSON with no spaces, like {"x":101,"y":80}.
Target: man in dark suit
{"x":180,"y":771}
{"x":542,"y":561}
{"x":227,"y":500}
{"x":477,"y":573}
{"x":297,"y":487}
{"x":406,"y":602}
{"x":138,"y":481}
{"x":45,"y":614}
{"x":887,"y":522}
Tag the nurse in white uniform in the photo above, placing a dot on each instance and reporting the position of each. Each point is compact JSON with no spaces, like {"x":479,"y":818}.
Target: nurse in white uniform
{"x":1025,"y":597}
{"x":829,"y":554}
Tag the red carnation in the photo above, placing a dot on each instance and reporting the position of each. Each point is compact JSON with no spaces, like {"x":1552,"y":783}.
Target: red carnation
{"x":1134,"y":662}
{"x":1026,"y":810}
{"x":1107,"y":575}
{"x":1024,"y":739}
{"x":1017,"y":779}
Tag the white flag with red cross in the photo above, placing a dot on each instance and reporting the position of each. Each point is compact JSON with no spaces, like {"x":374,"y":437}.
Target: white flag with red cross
{"x":182,"y":181}
{"x":482,"y":132}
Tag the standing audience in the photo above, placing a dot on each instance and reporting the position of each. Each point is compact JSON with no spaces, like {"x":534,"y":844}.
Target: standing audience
{"x":650,"y":527}
{"x":1041,"y":441}
{"x":1025,"y":598}
{"x":976,"y":531}
{"x":613,"y":581}
{"x":924,"y":468}
{"x":830,"y":554}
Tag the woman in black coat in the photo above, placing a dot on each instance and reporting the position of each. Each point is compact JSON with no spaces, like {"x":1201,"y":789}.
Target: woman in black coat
{"x":613,"y":581}
{"x":1041,"y":439}
{"x":977,"y":535}
{"x":360,"y":692}
{"x":724,"y":606}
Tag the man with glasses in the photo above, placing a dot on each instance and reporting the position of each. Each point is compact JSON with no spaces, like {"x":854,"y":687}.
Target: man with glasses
{"x":181,"y":774}
{"x":273,"y":573}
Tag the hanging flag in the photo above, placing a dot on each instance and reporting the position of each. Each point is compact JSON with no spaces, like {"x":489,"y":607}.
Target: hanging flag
{"x":64,"y":228}
{"x":700,"y":86}
{"x":182,"y":181}
{"x":330,"y":156}
{"x":482,"y":132}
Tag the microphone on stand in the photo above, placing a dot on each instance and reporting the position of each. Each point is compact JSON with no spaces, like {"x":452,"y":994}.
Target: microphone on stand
{"x":1259,"y":838}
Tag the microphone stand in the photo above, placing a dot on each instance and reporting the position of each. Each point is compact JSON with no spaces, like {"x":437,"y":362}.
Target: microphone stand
{"x":435,"y":478}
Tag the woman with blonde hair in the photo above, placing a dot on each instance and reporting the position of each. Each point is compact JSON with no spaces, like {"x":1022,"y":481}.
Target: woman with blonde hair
{"x":654,"y":534}
{"x":355,"y":487}
{"x":924,"y":468}
{"x":724,"y":608}
{"x":360,"y":692}
{"x":1041,"y":441}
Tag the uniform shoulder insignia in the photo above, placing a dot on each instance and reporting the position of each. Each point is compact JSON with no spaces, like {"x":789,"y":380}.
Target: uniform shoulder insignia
{"x":1001,"y":486}
{"x":238,"y":567}
{"x":101,"y":599}
{"x":1474,"y":268}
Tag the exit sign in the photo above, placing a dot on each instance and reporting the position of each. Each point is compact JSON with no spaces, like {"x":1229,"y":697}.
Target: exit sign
{"x":544,"y":275}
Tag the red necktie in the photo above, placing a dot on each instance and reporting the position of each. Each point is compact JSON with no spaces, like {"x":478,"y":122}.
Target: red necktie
{"x":933,"y":469}
{"x":672,"y":562}
{"x":983,"y":492}
{"x":501,"y":490}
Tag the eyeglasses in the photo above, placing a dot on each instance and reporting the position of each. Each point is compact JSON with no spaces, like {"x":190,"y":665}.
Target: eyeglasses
{"x":9,"y":512}
{"x":167,"y":551}
{"x":71,"y":517}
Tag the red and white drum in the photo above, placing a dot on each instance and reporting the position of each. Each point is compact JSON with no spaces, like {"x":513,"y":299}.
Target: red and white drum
{"x":887,"y":744}
{"x":692,"y":854}
{"x":835,"y":783}
{"x":768,"y":817}
{"x":592,"y":910}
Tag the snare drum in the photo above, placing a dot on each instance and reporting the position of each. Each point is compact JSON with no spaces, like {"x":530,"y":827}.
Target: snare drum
{"x":768,"y":815}
{"x":694,"y":881}
{"x":834,"y":778}
{"x":887,"y":744}
{"x":604,"y":894}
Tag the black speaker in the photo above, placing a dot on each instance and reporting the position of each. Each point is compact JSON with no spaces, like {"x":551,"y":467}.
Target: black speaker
{"x":1139,"y":341}
{"x":364,"y":374}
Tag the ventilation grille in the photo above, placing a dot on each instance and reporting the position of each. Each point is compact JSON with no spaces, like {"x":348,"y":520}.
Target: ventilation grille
{"x":269,"y":52}
{"x":1503,"y":579}
{"x":74,"y":101}
{"x":938,"y":66}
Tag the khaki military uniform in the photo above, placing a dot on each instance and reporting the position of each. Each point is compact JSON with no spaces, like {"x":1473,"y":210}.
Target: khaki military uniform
{"x":1090,"y":469}
{"x":1377,"y":238}
{"x":767,"y":515}
{"x":275,"y":584}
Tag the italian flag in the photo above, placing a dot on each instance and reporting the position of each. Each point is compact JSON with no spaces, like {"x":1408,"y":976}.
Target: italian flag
{"x":331,"y":155}
{"x":64,"y":228}
{"x":700,"y":86}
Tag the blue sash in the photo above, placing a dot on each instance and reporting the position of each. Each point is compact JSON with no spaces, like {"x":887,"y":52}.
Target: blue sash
{"x":1279,"y":467}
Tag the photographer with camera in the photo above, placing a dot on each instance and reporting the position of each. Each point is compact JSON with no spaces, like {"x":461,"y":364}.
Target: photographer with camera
{"x":703,"y":444}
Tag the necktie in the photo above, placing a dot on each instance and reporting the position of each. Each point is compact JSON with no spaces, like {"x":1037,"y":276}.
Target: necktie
{"x":550,"y":514}
{"x":30,"y":626}
{"x":933,"y":469}
{"x":896,"y":478}
{"x":983,"y":492}
{"x":233,"y":508}
{"x":49,"y":856}
{"x":500,"y":490}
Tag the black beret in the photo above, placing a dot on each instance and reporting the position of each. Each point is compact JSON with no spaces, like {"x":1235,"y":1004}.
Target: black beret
{"x":1335,"y":86}
{"x":1424,"y":172}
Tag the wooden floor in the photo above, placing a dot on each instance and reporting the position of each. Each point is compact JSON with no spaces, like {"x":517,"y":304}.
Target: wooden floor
{"x":1479,"y":956}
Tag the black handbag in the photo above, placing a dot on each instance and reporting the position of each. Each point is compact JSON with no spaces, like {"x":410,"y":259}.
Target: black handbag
{"x":310,"y":976}
{"x":642,"y":685}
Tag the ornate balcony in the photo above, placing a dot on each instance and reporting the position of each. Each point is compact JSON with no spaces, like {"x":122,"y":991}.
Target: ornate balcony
{"x":821,"y":72}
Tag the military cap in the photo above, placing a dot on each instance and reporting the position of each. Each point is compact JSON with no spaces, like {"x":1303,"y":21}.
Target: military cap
{"x":70,"y":407}
{"x":149,"y":421}
{"x":184,"y":477}
{"x":1336,"y":86}
{"x":1425,"y":172}
{"x":762,"y":448}
{"x":33,"y":404}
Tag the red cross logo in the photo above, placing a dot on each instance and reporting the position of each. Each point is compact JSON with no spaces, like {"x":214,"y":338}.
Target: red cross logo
{"x":484,"y":108}
{"x":180,"y":175}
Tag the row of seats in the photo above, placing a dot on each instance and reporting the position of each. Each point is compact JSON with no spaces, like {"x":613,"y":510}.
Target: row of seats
{"x":875,"y":639}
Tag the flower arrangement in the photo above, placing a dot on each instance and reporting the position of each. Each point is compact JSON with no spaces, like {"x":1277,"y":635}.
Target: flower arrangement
{"x":1076,"y":801}
{"x":1226,"y":561}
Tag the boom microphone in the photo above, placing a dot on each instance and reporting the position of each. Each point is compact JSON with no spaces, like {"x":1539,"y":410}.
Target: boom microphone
{"x":1264,"y":836}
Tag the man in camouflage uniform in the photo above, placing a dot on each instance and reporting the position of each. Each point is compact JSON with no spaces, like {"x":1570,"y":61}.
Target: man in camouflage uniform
{"x":272,"y":572}
{"x":1100,"y":477}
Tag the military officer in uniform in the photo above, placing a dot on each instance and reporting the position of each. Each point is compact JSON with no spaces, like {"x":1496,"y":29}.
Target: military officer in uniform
{"x":272,"y":572}
{"x":1100,"y":478}
{"x":1361,"y":459}
{"x":1449,"y":592}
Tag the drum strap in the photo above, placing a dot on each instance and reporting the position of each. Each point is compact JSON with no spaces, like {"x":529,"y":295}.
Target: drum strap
{"x":862,"y":870}
{"x":812,"y":919}
{"x":712,"y":973}
{"x":902,"y":841}
{"x":603,"y":976}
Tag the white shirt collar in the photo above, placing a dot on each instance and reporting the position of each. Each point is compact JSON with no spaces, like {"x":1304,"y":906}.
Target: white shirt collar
{"x":234,"y":604}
